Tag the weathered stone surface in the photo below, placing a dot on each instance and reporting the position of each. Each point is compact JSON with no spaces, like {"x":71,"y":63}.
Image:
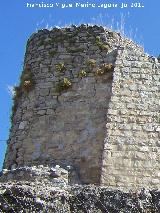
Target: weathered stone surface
{"x":133,"y":101}
{"x":105,"y":126}
{"x":53,"y":175}
{"x":38,"y":193}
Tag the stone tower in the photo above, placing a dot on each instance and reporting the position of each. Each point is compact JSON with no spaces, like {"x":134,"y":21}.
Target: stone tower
{"x":88,"y":98}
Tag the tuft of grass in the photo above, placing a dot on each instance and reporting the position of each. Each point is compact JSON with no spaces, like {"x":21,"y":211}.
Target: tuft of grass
{"x":91,"y":63}
{"x":105,"y":68}
{"x":99,"y":71}
{"x":26,"y":85}
{"x":108,"y":67}
{"x":26,"y":80}
{"x":82,"y":74}
{"x":102,"y":46}
{"x":63,"y":85}
{"x":60,"y":67}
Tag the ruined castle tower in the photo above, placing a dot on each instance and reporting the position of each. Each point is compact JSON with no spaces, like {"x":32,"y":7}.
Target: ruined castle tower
{"x":88,"y":98}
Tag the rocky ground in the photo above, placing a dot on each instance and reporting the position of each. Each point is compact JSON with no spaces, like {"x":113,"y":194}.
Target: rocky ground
{"x":45,"y":189}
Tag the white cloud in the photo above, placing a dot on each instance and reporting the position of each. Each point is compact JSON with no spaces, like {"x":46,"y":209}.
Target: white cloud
{"x":10,"y":90}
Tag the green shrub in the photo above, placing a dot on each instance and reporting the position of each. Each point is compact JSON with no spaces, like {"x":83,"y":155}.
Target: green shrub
{"x":26,"y":81}
{"x":82,"y":74}
{"x":99,"y":71}
{"x":108,"y":67}
{"x":63,"y":85}
{"x":101,"y":45}
{"x":60,"y":67}
{"x":91,"y":63}
{"x":26,"y":84}
{"x":98,"y":39}
{"x":105,"y":68}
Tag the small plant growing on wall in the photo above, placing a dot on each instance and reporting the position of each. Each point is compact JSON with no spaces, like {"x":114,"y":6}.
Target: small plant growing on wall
{"x":99,"y":71}
{"x":60,"y":67}
{"x":26,"y":81}
{"x":26,"y":84}
{"x":82,"y":74}
{"x":63,"y":85}
{"x":105,"y":68}
{"x":108,"y":67}
{"x":101,"y":45}
{"x":91,"y":63}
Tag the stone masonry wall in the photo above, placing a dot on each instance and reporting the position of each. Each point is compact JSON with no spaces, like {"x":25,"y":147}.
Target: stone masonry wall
{"x":131,"y":155}
{"x":65,"y":127}
{"x":88,"y":98}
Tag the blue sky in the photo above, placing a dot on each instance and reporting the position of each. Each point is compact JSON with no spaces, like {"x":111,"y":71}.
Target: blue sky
{"x":18,"y":22}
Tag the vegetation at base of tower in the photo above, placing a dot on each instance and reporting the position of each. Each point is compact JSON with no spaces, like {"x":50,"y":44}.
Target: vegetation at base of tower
{"x":63,"y":85}
{"x":82,"y":74}
{"x":105,"y":68}
{"x":60,"y":67}
{"x":91,"y":63}
{"x":102,"y":46}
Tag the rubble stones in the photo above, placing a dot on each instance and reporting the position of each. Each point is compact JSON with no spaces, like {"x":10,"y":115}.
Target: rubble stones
{"x":44,"y":196}
{"x":36,"y":173}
